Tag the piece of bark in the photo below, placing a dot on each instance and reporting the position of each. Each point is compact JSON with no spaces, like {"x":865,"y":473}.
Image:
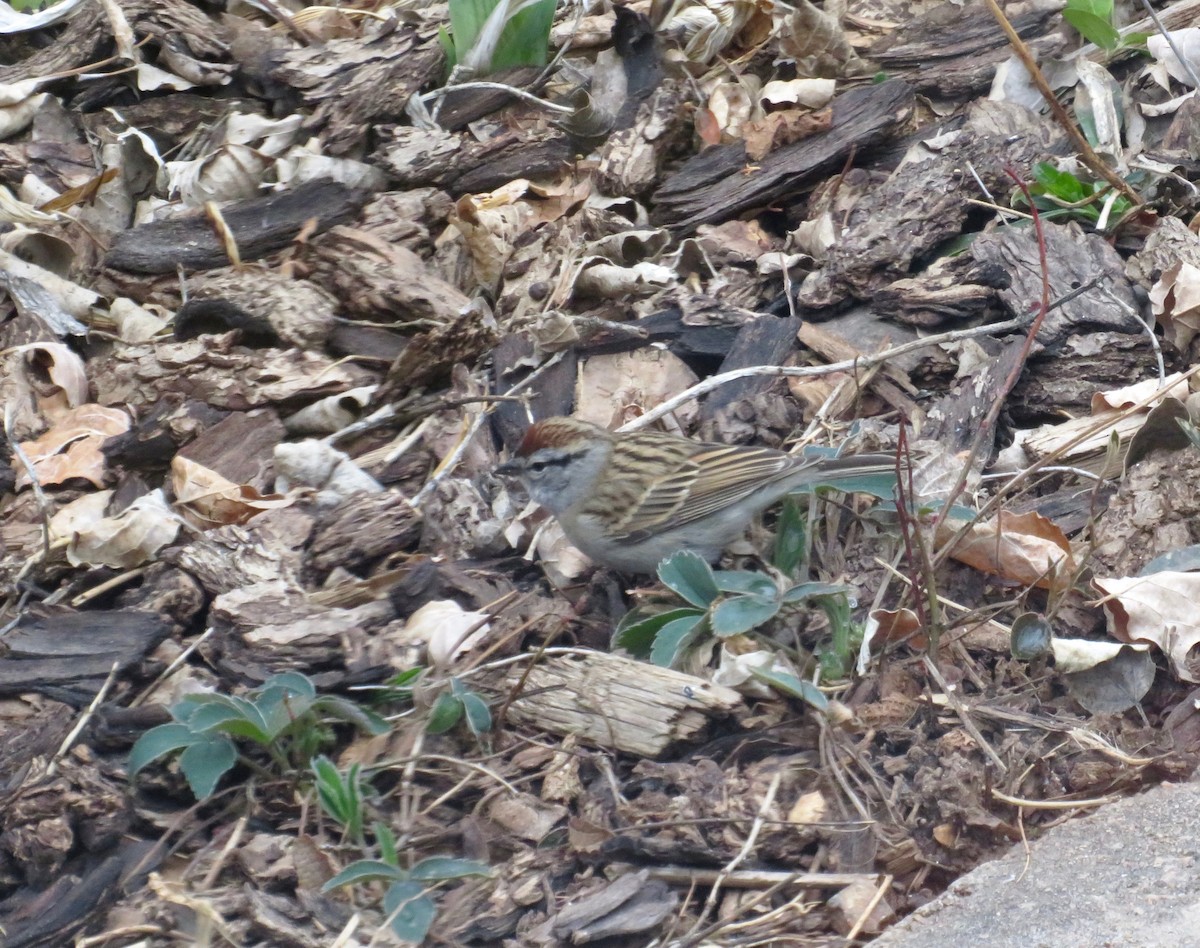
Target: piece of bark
{"x":952,"y":51}
{"x":415,"y":157}
{"x":353,"y":84}
{"x":763,"y":341}
{"x":1074,"y":258}
{"x":952,"y":291}
{"x":379,"y":281}
{"x":359,"y":531}
{"x":1065,"y":380}
{"x":617,"y":702}
{"x":259,"y":225}
{"x":891,"y":384}
{"x":955,"y":418}
{"x":240,"y":447}
{"x":553,"y":395}
{"x":293,"y":310}
{"x":460,"y":107}
{"x":924,"y":203}
{"x":75,"y":651}
{"x":721,"y":182}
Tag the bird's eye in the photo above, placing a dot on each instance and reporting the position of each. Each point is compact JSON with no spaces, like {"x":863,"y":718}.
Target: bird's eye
{"x":538,"y":466}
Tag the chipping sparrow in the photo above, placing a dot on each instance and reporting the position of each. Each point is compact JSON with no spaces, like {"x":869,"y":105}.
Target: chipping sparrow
{"x":629,"y":500}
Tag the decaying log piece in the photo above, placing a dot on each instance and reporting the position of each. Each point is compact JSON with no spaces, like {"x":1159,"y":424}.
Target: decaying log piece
{"x":416,"y":157}
{"x":618,"y":702}
{"x":722,"y":182}
{"x":260,"y":226}
{"x":1074,"y":259}
{"x":926,"y":202}
{"x":763,"y":341}
{"x":76,"y":650}
{"x":952,"y":51}
{"x":353,"y":84}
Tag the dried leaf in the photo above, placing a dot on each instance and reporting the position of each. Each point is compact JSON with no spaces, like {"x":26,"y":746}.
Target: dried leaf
{"x":1023,"y":548}
{"x":1160,"y":609}
{"x":210,"y":500}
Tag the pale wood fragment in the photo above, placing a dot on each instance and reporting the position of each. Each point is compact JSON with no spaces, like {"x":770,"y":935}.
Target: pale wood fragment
{"x":618,"y":702}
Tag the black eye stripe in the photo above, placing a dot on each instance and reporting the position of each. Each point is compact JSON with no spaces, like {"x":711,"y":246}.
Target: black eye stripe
{"x":542,"y":464}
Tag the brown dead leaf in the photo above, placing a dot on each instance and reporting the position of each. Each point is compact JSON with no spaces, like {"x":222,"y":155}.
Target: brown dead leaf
{"x":614,"y":389}
{"x":1022,"y":548}
{"x":1160,"y":609}
{"x":762,"y":136}
{"x":71,"y":448}
{"x":1176,"y":301}
{"x":210,"y":500}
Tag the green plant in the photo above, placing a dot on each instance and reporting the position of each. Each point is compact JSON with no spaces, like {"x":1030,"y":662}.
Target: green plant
{"x":725,"y":603}
{"x":1060,"y":194}
{"x":454,"y":705}
{"x":284,"y":717}
{"x":406,"y":899}
{"x":1094,"y":21}
{"x":486,"y":36}
{"x":341,"y":796}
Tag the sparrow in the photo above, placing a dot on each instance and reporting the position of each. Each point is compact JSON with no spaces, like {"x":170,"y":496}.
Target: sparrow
{"x":630,"y":500}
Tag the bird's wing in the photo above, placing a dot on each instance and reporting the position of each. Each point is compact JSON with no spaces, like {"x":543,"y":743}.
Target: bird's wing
{"x":709,"y":478}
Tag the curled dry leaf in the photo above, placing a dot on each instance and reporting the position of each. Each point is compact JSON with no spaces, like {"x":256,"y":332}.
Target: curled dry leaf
{"x":210,"y":500}
{"x":1175,"y":298}
{"x":1173,"y":386}
{"x":129,"y":539}
{"x":1022,"y":548}
{"x":71,"y":448}
{"x":315,"y":464}
{"x":445,"y":629}
{"x":1160,"y":609}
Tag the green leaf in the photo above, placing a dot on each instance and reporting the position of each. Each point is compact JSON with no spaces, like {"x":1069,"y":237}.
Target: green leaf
{"x":292,"y":683}
{"x":793,"y":687}
{"x":158,"y":742}
{"x":802,"y":591}
{"x":364,"y":870}
{"x":479,"y":718}
{"x":740,"y":614}
{"x":386,"y":840}
{"x":688,"y":575}
{"x":346,"y":710}
{"x":674,"y":638}
{"x":790,"y":537}
{"x":637,"y":630}
{"x":1094,"y":29}
{"x":1061,"y":184}
{"x":205,"y":763}
{"x":446,"y":712}
{"x":222,"y":717}
{"x":745,"y":581}
{"x":414,"y":910}
{"x":437,"y":868}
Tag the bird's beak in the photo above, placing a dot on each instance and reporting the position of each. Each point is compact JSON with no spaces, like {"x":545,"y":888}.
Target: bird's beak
{"x":509,"y":469}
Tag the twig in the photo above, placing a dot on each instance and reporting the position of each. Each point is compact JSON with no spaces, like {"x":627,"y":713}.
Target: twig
{"x":884,"y":884}
{"x":768,"y":801}
{"x":1086,"y":153}
{"x":963,"y":715}
{"x":503,"y":87}
{"x":38,"y":495}
{"x":69,"y":740}
{"x":1166,"y":34}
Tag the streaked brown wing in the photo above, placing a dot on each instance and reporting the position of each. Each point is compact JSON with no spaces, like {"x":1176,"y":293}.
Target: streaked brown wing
{"x":712,"y":478}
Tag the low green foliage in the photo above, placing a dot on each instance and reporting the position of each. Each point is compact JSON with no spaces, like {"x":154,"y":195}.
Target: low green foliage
{"x":284,"y":717}
{"x":406,"y":899}
{"x":524,"y":39}
{"x":1061,"y":194}
{"x":455,"y":705}
{"x":1094,"y":21}
{"x":725,"y":603}
{"x":341,"y":795}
